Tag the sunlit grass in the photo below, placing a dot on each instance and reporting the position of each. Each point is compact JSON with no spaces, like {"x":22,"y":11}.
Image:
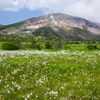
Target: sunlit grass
{"x":40,"y":75}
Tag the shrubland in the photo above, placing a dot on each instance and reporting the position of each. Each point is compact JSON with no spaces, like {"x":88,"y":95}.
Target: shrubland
{"x":50,"y":45}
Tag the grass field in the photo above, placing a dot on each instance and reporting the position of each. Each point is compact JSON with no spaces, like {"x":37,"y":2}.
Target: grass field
{"x":41,"y":75}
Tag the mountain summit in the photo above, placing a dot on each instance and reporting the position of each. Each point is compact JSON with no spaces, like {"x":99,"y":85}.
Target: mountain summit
{"x":56,"y":25}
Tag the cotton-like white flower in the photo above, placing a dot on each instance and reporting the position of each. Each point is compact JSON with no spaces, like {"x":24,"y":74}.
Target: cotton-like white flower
{"x":28,"y":96}
{"x":19,"y":87}
{"x":8,"y":91}
{"x":25,"y":98}
{"x":36,"y":96}
{"x":53,"y":92}
{"x":31,"y":93}
{"x":62,"y":87}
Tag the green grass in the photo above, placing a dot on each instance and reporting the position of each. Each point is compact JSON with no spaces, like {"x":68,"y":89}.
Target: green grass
{"x":79,"y":47}
{"x":41,"y":75}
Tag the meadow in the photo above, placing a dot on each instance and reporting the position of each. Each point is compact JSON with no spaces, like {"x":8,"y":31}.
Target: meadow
{"x":50,"y":75}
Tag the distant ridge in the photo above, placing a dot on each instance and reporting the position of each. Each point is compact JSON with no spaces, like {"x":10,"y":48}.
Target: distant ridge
{"x":1,"y":25}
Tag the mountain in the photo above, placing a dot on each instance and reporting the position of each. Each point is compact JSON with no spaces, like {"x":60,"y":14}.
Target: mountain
{"x":56,"y":26}
{"x":1,"y":25}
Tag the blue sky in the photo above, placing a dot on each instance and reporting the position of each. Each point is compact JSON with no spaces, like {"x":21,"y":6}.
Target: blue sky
{"x":9,"y":17}
{"x":12,"y":11}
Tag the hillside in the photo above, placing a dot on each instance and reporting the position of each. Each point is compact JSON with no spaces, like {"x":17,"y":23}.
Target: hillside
{"x":1,"y":25}
{"x":67,"y":33}
{"x":55,"y":26}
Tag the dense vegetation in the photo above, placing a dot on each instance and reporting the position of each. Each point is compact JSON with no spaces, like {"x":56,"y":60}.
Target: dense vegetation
{"x":16,"y":37}
{"x":1,"y":26}
{"x":16,"y":25}
{"x":10,"y":46}
{"x":51,"y":45}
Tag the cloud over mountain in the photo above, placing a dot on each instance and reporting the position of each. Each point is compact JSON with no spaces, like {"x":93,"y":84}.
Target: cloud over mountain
{"x":12,"y":5}
{"x":84,"y":8}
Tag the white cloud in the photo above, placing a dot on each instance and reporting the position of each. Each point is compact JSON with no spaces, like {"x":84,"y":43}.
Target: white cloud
{"x":12,"y":5}
{"x":88,"y":9}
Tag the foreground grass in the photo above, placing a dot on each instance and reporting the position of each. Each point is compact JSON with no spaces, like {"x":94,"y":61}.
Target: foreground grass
{"x":41,"y":75}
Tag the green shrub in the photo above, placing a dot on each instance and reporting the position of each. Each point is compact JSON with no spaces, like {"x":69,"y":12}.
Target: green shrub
{"x":38,"y":46}
{"x":77,"y":42}
{"x":59,"y":44}
{"x":10,"y":46}
{"x":90,"y":46}
{"x":35,"y":45}
{"x":48,"y":45}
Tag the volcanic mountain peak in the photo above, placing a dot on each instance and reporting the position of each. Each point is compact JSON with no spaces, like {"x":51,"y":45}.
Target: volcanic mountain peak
{"x":77,"y":22}
{"x":71,"y":21}
{"x":60,"y":24}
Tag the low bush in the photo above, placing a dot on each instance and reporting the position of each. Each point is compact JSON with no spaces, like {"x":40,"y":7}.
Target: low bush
{"x":59,"y":44}
{"x":48,"y":45}
{"x":38,"y":46}
{"x":10,"y":46}
{"x":90,"y":46}
{"x":35,"y":45}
